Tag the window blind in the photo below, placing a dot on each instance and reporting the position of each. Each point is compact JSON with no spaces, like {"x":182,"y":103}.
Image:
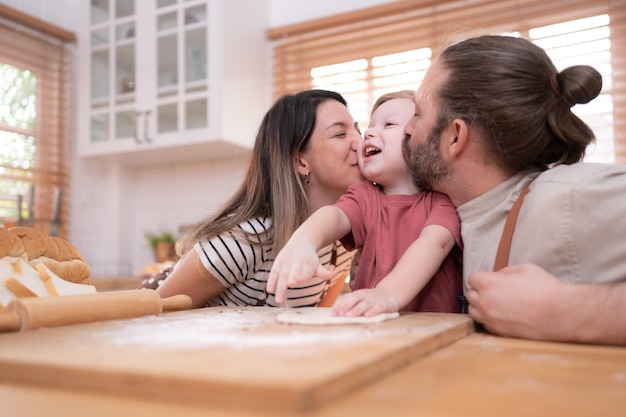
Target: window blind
{"x":425,"y":26}
{"x":35,"y":156}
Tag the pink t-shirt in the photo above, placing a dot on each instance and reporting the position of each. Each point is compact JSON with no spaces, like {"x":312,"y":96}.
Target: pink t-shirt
{"x":384,"y":226}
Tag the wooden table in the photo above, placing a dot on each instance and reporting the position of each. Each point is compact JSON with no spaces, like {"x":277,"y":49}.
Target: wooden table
{"x":433,"y":375}
{"x":116,"y":283}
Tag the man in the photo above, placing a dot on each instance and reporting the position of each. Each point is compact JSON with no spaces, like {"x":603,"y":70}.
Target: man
{"x":492,"y":117}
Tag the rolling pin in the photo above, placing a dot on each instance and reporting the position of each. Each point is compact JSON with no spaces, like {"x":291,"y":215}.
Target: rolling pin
{"x":36,"y":312}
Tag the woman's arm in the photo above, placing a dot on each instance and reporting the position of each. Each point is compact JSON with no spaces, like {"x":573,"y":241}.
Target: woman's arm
{"x":526,"y":301}
{"x":298,"y":260}
{"x":191,"y":277}
{"x":414,"y":269}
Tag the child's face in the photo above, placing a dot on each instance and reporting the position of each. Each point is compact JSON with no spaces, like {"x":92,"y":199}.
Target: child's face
{"x":380,"y":151}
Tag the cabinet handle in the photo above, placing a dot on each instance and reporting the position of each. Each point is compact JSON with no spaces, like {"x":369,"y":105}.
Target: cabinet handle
{"x":135,"y":135}
{"x":146,"y":137}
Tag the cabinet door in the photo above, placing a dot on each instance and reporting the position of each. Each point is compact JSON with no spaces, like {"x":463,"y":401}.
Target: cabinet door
{"x":181,"y":84}
{"x":113,"y":72}
{"x":154,"y":78}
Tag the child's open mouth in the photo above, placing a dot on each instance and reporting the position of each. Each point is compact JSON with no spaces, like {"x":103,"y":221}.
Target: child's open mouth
{"x":370,"y":150}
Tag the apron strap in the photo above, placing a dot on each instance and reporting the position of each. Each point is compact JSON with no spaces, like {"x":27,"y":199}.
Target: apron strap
{"x":502,"y":256}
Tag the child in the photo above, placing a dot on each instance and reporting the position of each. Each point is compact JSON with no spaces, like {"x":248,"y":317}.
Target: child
{"x":410,"y":239}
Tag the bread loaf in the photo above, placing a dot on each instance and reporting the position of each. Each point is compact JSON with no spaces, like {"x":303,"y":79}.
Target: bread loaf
{"x":60,"y":256}
{"x":11,"y":245}
{"x":34,"y":264}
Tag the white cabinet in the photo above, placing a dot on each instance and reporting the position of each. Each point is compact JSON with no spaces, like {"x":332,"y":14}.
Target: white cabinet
{"x":165,"y":80}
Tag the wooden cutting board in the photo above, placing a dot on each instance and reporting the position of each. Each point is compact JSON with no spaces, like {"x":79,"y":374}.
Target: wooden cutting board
{"x":239,"y":356}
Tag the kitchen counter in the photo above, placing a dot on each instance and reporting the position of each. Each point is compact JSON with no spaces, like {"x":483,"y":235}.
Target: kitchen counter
{"x":240,"y":362}
{"x":116,"y":283}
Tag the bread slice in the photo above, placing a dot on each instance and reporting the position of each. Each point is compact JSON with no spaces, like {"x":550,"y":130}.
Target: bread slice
{"x":33,"y":281}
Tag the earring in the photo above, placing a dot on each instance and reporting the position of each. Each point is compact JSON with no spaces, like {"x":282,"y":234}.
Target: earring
{"x":306,"y":177}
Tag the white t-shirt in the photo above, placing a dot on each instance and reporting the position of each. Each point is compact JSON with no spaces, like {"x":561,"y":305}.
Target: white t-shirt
{"x":572,"y":223}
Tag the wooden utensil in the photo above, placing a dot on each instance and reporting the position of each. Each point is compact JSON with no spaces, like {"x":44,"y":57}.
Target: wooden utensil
{"x":33,"y":313}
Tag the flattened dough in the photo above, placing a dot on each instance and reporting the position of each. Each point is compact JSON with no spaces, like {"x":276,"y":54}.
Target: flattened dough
{"x":322,"y":315}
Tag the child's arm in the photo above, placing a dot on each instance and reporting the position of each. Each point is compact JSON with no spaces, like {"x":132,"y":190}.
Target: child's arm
{"x":415,"y":268}
{"x":298,"y":260}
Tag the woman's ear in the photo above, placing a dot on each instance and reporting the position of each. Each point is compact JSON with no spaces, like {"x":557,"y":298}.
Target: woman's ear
{"x":460,"y":138}
{"x":302,"y":165}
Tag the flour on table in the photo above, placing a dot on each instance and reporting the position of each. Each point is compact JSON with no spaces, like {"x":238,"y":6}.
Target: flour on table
{"x":322,"y":315}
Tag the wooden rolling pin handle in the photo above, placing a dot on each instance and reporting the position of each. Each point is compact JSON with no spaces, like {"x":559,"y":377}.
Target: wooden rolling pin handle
{"x":33,"y":313}
{"x":9,"y":322}
{"x":176,"y":302}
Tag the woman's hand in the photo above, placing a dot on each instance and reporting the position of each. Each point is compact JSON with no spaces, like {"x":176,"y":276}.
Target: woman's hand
{"x":297,"y":262}
{"x":365,"y":302}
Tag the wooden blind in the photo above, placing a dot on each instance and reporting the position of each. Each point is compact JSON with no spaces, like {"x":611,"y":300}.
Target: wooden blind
{"x":414,"y":24}
{"x":48,"y":57}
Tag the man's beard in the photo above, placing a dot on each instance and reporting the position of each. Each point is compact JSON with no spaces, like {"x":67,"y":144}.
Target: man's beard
{"x":427,"y":166}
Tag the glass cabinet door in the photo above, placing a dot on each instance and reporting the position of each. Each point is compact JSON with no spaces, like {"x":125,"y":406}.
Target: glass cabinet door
{"x":181,"y":62}
{"x":148,"y":72}
{"x":112,"y":69}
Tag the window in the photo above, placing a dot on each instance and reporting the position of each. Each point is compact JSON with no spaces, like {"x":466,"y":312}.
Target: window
{"x":362,"y":81}
{"x":373,"y":51}
{"x":17,"y":142}
{"x":585,"y":41}
{"x":34,"y":128}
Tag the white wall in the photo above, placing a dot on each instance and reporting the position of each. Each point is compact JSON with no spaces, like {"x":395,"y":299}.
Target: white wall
{"x":286,"y":12}
{"x":109,"y":232}
{"x":63,"y":13}
{"x":164,"y":198}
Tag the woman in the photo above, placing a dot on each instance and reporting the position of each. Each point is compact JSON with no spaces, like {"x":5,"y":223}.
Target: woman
{"x":304,"y":157}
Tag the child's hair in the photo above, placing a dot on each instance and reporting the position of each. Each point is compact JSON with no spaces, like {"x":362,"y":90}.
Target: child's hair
{"x":408,"y":94}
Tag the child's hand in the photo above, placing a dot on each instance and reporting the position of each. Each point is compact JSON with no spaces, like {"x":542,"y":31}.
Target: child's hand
{"x":297,"y":262}
{"x":365,"y":302}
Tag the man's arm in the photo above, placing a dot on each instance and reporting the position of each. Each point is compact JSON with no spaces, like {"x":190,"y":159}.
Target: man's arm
{"x":526,"y":301}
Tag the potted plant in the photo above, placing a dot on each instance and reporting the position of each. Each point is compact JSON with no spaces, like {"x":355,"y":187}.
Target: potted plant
{"x":163,"y":245}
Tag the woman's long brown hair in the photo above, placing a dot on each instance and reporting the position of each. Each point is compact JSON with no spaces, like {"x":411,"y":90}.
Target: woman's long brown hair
{"x":271,"y":187}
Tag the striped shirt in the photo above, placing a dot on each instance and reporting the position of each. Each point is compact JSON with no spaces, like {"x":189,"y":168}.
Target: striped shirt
{"x":243,"y":268}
